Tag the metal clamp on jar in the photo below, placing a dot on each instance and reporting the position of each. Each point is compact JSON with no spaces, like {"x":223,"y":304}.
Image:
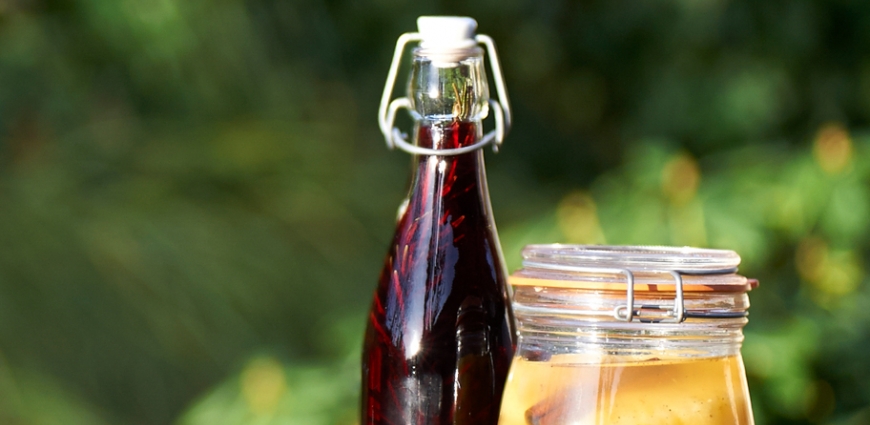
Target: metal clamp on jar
{"x":628,"y":335}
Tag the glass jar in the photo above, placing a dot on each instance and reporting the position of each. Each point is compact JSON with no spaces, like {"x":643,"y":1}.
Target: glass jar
{"x":628,"y":335}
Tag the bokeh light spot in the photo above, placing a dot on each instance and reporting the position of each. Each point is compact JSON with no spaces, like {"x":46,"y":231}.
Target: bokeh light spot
{"x":830,"y":272}
{"x":680,"y":178}
{"x":820,"y":401}
{"x":810,"y":258}
{"x":577,"y":217}
{"x":832,"y":148}
{"x":263,"y":385}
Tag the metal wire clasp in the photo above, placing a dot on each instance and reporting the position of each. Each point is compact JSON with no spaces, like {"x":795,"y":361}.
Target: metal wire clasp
{"x":388,"y":109}
{"x":628,"y":311}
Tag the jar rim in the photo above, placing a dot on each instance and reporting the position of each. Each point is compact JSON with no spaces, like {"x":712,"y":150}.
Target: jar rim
{"x":648,"y":268}
{"x":637,"y":257}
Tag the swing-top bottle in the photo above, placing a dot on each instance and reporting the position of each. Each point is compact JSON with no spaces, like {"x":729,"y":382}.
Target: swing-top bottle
{"x":440,"y":336}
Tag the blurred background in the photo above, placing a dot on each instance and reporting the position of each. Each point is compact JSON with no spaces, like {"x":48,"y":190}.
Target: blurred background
{"x":195,"y":199}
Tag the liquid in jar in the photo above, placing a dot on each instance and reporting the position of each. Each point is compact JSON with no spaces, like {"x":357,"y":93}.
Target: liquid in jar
{"x":573,"y":390}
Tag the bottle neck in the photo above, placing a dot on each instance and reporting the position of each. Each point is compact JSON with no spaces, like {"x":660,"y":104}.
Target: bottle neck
{"x":450,"y":97}
{"x":446,"y":89}
{"x":448,"y":134}
{"x":459,"y":179}
{"x":449,"y":194}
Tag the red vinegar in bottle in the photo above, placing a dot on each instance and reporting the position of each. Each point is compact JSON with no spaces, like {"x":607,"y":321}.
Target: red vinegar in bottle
{"x":440,"y":334}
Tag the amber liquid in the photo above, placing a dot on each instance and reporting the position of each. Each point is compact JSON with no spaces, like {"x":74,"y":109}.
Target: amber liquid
{"x":439,"y":338}
{"x":568,"y":390}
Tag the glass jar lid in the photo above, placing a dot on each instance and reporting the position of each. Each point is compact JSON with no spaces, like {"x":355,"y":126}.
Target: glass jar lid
{"x":632,"y":268}
{"x":642,"y":273}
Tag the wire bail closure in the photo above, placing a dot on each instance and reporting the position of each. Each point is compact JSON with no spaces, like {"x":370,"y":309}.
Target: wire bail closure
{"x":388,"y":109}
{"x":645,"y":313}
{"x":628,"y":311}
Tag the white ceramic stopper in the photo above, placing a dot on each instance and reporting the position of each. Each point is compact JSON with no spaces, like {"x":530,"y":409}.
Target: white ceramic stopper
{"x":446,"y":32}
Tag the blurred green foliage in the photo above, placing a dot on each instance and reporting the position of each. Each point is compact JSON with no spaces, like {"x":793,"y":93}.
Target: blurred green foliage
{"x":195,"y":198}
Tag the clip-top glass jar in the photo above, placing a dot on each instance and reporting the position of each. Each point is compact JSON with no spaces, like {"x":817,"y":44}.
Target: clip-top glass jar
{"x":628,"y":335}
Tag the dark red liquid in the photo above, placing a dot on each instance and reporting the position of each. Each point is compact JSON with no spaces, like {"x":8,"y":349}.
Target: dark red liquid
{"x":440,"y":338}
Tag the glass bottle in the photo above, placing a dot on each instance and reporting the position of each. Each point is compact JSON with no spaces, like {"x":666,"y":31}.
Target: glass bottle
{"x":628,"y":335}
{"x":440,"y":332}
